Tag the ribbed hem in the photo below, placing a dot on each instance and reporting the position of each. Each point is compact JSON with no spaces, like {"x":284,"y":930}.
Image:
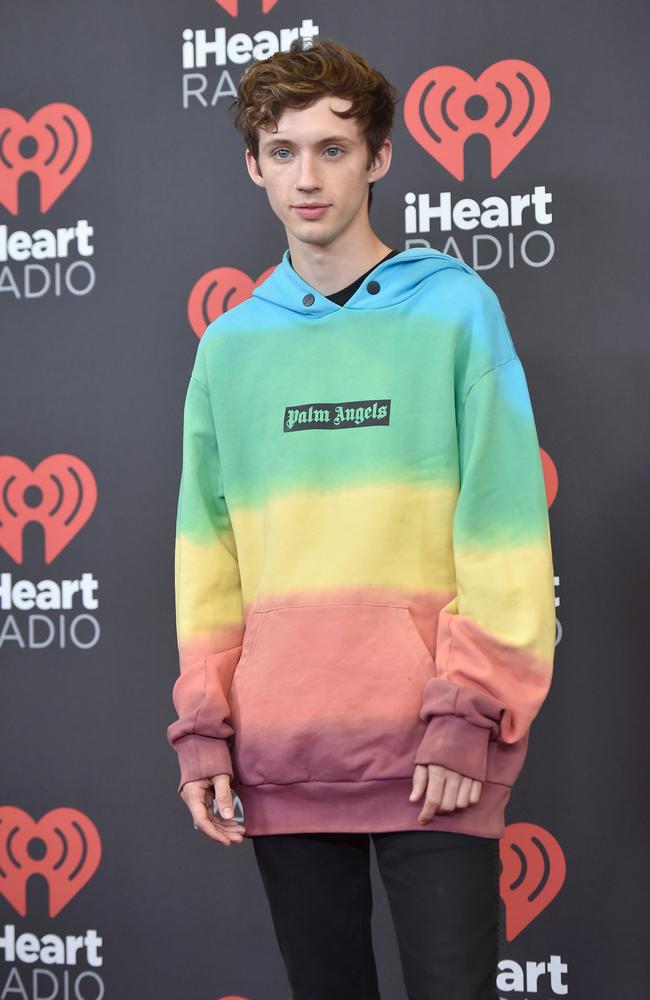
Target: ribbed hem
{"x":361,"y":807}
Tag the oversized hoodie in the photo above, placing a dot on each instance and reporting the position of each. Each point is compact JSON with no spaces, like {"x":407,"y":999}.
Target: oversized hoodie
{"x":364,"y":576}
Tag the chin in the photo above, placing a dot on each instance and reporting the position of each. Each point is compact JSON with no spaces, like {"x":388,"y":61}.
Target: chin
{"x":312,"y":236}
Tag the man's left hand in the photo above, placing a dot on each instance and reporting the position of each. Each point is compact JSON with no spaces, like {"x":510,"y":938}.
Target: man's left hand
{"x":446,"y":790}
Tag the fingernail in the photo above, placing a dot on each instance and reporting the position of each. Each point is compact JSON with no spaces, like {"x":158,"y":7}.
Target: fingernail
{"x":227,"y":811}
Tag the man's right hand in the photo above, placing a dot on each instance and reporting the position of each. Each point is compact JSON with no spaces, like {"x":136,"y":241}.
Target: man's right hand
{"x":198,"y":796}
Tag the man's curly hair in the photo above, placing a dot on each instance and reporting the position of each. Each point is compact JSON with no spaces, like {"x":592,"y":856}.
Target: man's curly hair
{"x":299,"y":76}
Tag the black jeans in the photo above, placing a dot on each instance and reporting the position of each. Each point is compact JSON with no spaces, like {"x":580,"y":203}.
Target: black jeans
{"x":443,"y":893}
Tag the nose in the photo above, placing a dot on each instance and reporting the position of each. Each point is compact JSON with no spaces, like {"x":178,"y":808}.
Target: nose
{"x":308,"y":179}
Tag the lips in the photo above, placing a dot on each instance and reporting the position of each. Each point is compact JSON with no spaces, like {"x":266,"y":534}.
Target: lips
{"x":310,"y":211}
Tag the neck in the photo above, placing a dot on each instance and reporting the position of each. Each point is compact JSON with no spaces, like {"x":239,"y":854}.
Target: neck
{"x":331,"y":267}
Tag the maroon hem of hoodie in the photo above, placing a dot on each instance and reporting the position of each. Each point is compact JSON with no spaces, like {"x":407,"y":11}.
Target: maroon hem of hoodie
{"x":361,"y":807}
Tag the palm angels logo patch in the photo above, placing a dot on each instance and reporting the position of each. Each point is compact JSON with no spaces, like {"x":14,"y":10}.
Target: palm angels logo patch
{"x":333,"y":416}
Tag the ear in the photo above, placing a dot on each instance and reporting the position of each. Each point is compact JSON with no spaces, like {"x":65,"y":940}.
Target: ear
{"x":381,"y":162}
{"x":253,"y":169}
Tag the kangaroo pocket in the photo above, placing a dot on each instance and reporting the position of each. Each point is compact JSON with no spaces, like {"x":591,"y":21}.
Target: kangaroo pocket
{"x":329,"y":693}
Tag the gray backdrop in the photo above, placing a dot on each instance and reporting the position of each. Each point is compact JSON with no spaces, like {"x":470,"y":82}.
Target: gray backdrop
{"x":92,"y":379}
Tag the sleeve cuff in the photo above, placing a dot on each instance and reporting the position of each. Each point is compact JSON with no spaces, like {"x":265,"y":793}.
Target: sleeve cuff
{"x":453,"y":742}
{"x":202,"y":757}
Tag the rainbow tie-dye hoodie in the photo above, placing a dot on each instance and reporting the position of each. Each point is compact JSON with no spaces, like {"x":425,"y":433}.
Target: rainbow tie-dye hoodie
{"x":364,"y":576}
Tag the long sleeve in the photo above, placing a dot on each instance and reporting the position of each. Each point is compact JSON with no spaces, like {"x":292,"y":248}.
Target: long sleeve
{"x":209,"y":619}
{"x":496,"y":637}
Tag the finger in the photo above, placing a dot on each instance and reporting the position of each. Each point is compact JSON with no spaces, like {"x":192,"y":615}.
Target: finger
{"x":420,"y":779}
{"x":223,"y":796}
{"x":234,"y":834}
{"x":203,"y":823}
{"x":475,"y":792}
{"x":225,"y":831}
{"x":452,"y":784}
{"x":433,"y":797}
{"x":201,"y":798}
{"x":222,"y":830}
{"x":464,"y":792}
{"x":465,"y":787}
{"x":227,"y":825}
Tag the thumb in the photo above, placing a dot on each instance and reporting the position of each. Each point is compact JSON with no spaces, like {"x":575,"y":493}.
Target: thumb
{"x":223,"y":795}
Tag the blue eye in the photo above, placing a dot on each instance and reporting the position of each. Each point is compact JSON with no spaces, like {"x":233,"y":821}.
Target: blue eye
{"x":283,"y":149}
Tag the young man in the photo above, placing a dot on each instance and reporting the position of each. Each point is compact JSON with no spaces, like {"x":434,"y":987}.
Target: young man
{"x":365,"y":599}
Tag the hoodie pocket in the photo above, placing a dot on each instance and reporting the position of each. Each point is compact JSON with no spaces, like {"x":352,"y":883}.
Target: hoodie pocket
{"x":329,"y":693}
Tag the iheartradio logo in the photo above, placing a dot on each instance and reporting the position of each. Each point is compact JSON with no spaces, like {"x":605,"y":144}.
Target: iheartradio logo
{"x":217,"y":291}
{"x":54,"y":144}
{"x":232,"y":6}
{"x":508,"y":104}
{"x":532,"y":874}
{"x":60,"y":494}
{"x":63,"y":847}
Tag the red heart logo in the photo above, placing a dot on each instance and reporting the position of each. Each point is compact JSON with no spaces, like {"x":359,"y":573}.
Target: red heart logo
{"x":63,"y":142}
{"x":72,"y":853}
{"x":510,"y":103}
{"x":533,"y":873}
{"x":66,"y":494}
{"x":218,"y":291}
{"x":551,"y":481}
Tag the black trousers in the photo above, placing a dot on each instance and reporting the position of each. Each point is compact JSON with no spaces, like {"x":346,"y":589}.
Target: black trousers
{"x":443,"y":893}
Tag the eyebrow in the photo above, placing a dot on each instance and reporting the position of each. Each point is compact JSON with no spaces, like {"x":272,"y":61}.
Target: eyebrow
{"x":321,"y":142}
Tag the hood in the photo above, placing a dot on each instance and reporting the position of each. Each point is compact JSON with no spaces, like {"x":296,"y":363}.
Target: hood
{"x":391,"y":281}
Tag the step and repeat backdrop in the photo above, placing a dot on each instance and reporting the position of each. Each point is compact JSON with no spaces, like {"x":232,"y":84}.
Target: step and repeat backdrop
{"x":127,"y":223}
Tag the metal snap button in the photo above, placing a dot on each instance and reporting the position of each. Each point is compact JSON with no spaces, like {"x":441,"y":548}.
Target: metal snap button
{"x":373,"y":287}
{"x":309,"y":299}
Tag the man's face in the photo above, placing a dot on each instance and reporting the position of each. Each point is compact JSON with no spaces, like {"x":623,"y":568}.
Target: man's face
{"x":317,"y":158}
